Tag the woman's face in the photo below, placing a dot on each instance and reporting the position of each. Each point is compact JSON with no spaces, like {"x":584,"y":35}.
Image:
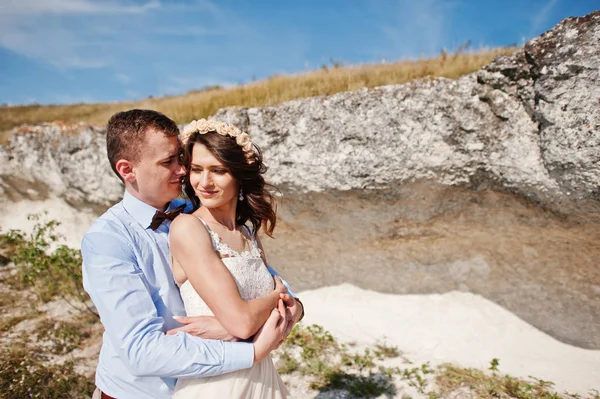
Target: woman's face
{"x":212,"y":181}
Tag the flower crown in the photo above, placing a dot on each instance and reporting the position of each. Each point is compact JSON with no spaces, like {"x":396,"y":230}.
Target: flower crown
{"x":204,"y":126}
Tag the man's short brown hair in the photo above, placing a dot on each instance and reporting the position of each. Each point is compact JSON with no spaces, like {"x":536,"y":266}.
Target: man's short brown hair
{"x":126,"y":133}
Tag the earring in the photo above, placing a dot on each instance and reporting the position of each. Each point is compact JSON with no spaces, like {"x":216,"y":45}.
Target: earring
{"x":241,"y":196}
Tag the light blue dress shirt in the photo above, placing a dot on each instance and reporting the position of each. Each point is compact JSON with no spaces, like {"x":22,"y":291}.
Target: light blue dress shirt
{"x":127,"y":273}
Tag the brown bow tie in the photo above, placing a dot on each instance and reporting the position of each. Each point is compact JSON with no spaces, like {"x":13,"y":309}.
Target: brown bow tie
{"x":161,"y":216}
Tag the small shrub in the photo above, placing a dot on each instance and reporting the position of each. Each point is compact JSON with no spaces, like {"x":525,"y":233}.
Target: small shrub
{"x":416,"y":376}
{"x":370,"y":386}
{"x":494,"y":363}
{"x":63,"y":336}
{"x":24,"y":374}
{"x":313,"y":352}
{"x":386,"y":350}
{"x":8,"y":322}
{"x":450,"y":378}
{"x":50,"y":273}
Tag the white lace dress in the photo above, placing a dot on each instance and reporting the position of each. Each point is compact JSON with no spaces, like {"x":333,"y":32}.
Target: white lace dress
{"x":253,"y":280}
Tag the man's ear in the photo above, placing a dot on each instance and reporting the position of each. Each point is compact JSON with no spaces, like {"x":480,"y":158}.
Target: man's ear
{"x":126,"y":171}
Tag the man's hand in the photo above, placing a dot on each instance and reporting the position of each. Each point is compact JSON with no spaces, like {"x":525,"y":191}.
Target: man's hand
{"x":293,"y":306}
{"x":271,"y":333}
{"x":207,"y":327}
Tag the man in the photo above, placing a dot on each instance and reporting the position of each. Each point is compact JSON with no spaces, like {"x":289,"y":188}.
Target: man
{"x":127,"y":273}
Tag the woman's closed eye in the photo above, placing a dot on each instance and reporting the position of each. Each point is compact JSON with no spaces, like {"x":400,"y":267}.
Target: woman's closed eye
{"x":219,"y":171}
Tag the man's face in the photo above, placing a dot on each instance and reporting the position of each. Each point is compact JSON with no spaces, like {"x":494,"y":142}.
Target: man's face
{"x":158,"y":172}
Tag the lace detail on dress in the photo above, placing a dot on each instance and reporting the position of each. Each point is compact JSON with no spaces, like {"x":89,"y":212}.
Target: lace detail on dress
{"x":226,"y":251}
{"x":247,"y":268}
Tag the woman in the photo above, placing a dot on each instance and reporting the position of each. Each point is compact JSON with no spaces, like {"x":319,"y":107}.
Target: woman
{"x":225,"y":176}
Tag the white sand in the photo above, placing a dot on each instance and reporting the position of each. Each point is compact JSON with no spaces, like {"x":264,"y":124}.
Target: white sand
{"x":74,"y":222}
{"x":455,"y":327}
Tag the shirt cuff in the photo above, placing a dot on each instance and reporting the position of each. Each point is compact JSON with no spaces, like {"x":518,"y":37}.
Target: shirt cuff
{"x":286,"y":285}
{"x":238,"y":356}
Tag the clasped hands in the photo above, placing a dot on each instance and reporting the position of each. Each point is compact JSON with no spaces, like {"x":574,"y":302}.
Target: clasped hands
{"x":208,"y":327}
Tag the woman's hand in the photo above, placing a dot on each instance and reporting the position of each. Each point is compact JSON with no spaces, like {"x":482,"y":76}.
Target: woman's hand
{"x":279,"y":287}
{"x":206,"y":327}
{"x":271,"y":334}
{"x":294,"y":310}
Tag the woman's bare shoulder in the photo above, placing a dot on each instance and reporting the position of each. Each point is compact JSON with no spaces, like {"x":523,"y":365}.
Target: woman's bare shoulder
{"x":185,"y":225}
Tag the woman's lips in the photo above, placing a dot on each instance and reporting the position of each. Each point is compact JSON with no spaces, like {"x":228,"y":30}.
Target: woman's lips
{"x":207,"y":194}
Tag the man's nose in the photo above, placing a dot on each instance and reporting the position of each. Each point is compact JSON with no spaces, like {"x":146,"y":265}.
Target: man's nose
{"x":180,"y":170}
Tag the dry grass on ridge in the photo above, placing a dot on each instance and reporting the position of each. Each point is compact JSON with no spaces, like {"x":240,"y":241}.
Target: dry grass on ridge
{"x":271,"y":91}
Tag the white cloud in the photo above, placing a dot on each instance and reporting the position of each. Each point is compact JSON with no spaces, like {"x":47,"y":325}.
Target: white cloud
{"x":184,"y":31}
{"x":541,"y":18}
{"x":413,"y":28}
{"x":181,"y":84}
{"x":132,"y":95}
{"x":49,"y":42}
{"x":141,"y":48}
{"x":33,"y":7}
{"x":69,"y":99}
{"x":82,"y":34}
{"x":123,"y":78}
{"x":53,"y":31}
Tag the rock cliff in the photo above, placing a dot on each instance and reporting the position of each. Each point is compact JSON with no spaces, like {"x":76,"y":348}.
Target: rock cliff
{"x":529,"y":123}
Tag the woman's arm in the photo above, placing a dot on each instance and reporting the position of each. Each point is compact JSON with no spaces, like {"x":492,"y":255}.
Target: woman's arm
{"x":293,"y":304}
{"x":191,"y":246}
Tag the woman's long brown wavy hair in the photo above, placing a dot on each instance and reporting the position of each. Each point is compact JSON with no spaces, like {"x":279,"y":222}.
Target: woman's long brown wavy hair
{"x":259,"y":206}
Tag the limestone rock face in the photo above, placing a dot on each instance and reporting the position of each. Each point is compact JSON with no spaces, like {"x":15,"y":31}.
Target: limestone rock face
{"x":528,"y":123}
{"x":557,"y":79}
{"x":58,"y":160}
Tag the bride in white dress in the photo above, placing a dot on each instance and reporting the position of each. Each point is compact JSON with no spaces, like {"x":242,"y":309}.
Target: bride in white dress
{"x":215,"y":243}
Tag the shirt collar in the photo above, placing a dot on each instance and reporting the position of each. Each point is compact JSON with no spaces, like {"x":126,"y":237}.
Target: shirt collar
{"x":138,"y":209}
{"x":143,"y":213}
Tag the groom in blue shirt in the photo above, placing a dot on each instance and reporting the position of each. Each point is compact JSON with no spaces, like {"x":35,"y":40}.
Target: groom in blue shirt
{"x":127,"y":273}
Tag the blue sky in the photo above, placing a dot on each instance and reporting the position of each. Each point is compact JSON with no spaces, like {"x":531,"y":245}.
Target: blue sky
{"x":66,"y":51}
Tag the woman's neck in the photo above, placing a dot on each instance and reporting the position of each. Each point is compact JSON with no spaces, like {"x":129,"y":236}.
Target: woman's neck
{"x":224,"y":215}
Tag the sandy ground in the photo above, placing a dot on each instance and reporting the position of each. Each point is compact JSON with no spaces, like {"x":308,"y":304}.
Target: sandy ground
{"x":73,"y":222}
{"x":459,"y":327}
{"x":455,"y":327}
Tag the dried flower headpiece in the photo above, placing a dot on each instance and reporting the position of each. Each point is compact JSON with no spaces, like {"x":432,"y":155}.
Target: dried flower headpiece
{"x":204,"y":126}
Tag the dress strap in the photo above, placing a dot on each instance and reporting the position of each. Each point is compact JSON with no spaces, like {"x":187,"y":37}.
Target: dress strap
{"x":214,"y":240}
